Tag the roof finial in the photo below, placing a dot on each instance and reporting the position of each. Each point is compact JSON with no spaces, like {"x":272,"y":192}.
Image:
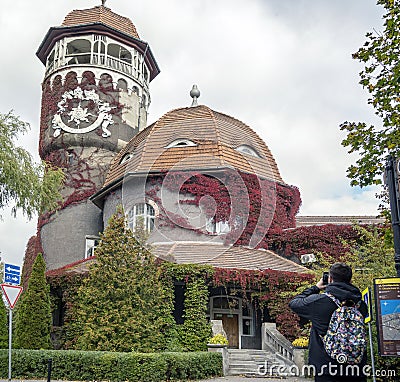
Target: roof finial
{"x":103,"y":2}
{"x":194,"y":93}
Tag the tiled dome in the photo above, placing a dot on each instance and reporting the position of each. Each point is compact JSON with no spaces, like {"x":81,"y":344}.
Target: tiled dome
{"x":101,"y":14}
{"x":209,"y":140}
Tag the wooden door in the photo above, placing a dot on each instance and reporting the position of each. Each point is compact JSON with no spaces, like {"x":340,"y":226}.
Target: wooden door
{"x":230,"y":322}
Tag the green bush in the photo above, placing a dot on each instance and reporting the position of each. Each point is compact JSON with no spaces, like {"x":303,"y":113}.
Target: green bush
{"x":93,"y":366}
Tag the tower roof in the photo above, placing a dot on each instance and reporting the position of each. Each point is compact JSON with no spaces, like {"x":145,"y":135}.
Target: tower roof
{"x":101,"y":14}
{"x":211,"y":141}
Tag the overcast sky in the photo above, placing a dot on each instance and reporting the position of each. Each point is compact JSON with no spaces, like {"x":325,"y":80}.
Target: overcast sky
{"x":283,"y":67}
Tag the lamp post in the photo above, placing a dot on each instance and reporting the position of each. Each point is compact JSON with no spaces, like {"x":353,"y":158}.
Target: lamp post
{"x":392,"y":181}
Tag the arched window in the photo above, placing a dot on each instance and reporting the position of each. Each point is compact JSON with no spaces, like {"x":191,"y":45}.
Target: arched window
{"x":142,"y":213}
{"x":126,"y":158}
{"x":119,"y":52}
{"x":248,"y":150}
{"x":122,"y":84}
{"x":78,"y":52}
{"x":181,"y":143}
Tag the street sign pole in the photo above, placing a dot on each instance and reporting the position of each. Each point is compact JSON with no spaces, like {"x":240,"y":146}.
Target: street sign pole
{"x":371,"y":345}
{"x":11,"y":293}
{"x":366,"y":296}
{"x":9,"y":344}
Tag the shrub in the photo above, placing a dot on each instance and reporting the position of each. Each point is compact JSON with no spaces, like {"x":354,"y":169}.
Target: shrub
{"x":93,"y":366}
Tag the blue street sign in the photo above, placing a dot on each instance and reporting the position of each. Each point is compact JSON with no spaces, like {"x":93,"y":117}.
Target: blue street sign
{"x":12,"y":274}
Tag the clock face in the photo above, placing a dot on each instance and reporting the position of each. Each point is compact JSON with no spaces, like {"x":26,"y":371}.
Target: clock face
{"x":81,"y":111}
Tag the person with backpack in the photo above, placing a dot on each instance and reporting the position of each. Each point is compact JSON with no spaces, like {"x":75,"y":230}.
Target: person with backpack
{"x":337,"y":346}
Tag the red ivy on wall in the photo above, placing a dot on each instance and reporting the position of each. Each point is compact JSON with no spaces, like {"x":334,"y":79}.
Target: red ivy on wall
{"x":253,"y":206}
{"x":327,"y":239}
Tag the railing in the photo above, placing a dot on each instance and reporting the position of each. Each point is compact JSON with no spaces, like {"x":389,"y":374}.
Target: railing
{"x":274,"y":340}
{"x":111,"y":62}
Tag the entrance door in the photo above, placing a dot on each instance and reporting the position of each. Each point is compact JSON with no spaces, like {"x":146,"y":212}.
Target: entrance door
{"x":230,"y":322}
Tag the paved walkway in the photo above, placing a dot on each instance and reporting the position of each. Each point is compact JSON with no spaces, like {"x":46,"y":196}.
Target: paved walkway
{"x":258,"y":379}
{"x":221,"y":379}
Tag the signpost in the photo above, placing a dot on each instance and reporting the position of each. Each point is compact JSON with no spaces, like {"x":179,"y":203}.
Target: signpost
{"x":12,"y":274}
{"x":366,"y":296}
{"x":387,"y":301}
{"x":11,"y":291}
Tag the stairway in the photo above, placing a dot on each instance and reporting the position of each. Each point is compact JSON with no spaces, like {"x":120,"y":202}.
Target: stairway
{"x":258,"y":363}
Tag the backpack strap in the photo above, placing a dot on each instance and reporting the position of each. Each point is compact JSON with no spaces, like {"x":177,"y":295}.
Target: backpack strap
{"x":333,"y":298}
{"x":339,"y":304}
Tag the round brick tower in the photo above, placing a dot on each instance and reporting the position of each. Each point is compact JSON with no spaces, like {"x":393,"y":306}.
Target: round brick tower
{"x":95,"y":97}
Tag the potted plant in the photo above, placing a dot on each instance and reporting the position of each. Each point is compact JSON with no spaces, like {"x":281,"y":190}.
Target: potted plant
{"x":219,"y":341}
{"x":300,"y":343}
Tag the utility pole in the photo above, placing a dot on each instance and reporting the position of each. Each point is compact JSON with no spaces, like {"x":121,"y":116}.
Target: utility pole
{"x":392,"y":171}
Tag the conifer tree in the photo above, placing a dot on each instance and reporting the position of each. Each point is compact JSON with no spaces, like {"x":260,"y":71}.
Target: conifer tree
{"x":3,"y":326}
{"x":33,"y":317}
{"x":122,"y":304}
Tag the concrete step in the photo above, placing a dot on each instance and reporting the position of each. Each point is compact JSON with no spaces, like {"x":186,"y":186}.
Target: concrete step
{"x":250,"y":362}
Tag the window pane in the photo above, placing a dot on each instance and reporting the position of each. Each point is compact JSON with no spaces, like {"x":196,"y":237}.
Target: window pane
{"x":139,"y":209}
{"x":247,"y":327}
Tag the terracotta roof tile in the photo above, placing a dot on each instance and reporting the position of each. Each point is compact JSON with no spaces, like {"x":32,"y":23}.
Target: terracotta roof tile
{"x":217,"y":136}
{"x":221,"y":256}
{"x":215,"y":254}
{"x":303,"y":221}
{"x":101,"y":14}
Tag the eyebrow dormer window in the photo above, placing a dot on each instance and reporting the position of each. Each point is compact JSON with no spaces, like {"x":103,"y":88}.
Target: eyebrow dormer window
{"x":181,"y":143}
{"x":126,"y":158}
{"x":248,"y":150}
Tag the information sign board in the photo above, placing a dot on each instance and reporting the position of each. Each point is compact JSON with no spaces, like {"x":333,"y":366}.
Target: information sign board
{"x":387,"y":301}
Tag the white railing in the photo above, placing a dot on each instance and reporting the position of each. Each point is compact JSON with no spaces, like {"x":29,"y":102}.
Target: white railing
{"x":274,"y":340}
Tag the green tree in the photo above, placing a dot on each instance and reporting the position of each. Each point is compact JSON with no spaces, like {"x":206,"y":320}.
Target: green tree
{"x":381,"y":77}
{"x":33,"y":317}
{"x":3,"y":326}
{"x":122,"y":304}
{"x":24,"y":184}
{"x":3,"y":319}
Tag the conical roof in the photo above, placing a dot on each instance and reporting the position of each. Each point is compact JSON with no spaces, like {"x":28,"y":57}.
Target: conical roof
{"x":205,"y":139}
{"x":101,"y":14}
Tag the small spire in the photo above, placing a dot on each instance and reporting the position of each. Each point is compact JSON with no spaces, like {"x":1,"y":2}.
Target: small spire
{"x":103,"y":2}
{"x":194,"y":93}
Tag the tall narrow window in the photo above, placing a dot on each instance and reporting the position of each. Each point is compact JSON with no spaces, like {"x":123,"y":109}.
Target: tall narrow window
{"x":91,"y":242}
{"x":141,"y":213}
{"x":217,"y":228}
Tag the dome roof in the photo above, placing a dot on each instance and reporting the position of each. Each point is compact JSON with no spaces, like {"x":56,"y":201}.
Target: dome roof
{"x":100,"y":14}
{"x":195,"y":138}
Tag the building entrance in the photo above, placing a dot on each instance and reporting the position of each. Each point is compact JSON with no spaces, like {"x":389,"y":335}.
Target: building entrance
{"x":230,"y":322}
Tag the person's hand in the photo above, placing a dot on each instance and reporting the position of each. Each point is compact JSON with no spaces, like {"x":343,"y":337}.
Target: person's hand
{"x":320,"y":284}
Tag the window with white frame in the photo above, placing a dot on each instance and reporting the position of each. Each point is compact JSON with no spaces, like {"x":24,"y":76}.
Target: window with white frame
{"x":217,"y":228}
{"x":141,"y":213}
{"x":181,"y":143}
{"x":248,"y":150}
{"x":91,"y":242}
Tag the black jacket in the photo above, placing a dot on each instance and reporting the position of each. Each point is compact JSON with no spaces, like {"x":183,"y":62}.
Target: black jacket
{"x":318,"y":308}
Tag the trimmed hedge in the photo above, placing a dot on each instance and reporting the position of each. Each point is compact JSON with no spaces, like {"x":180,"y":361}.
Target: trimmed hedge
{"x":109,"y":366}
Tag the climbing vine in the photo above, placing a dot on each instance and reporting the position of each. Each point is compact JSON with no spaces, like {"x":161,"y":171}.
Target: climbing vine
{"x":253,"y":207}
